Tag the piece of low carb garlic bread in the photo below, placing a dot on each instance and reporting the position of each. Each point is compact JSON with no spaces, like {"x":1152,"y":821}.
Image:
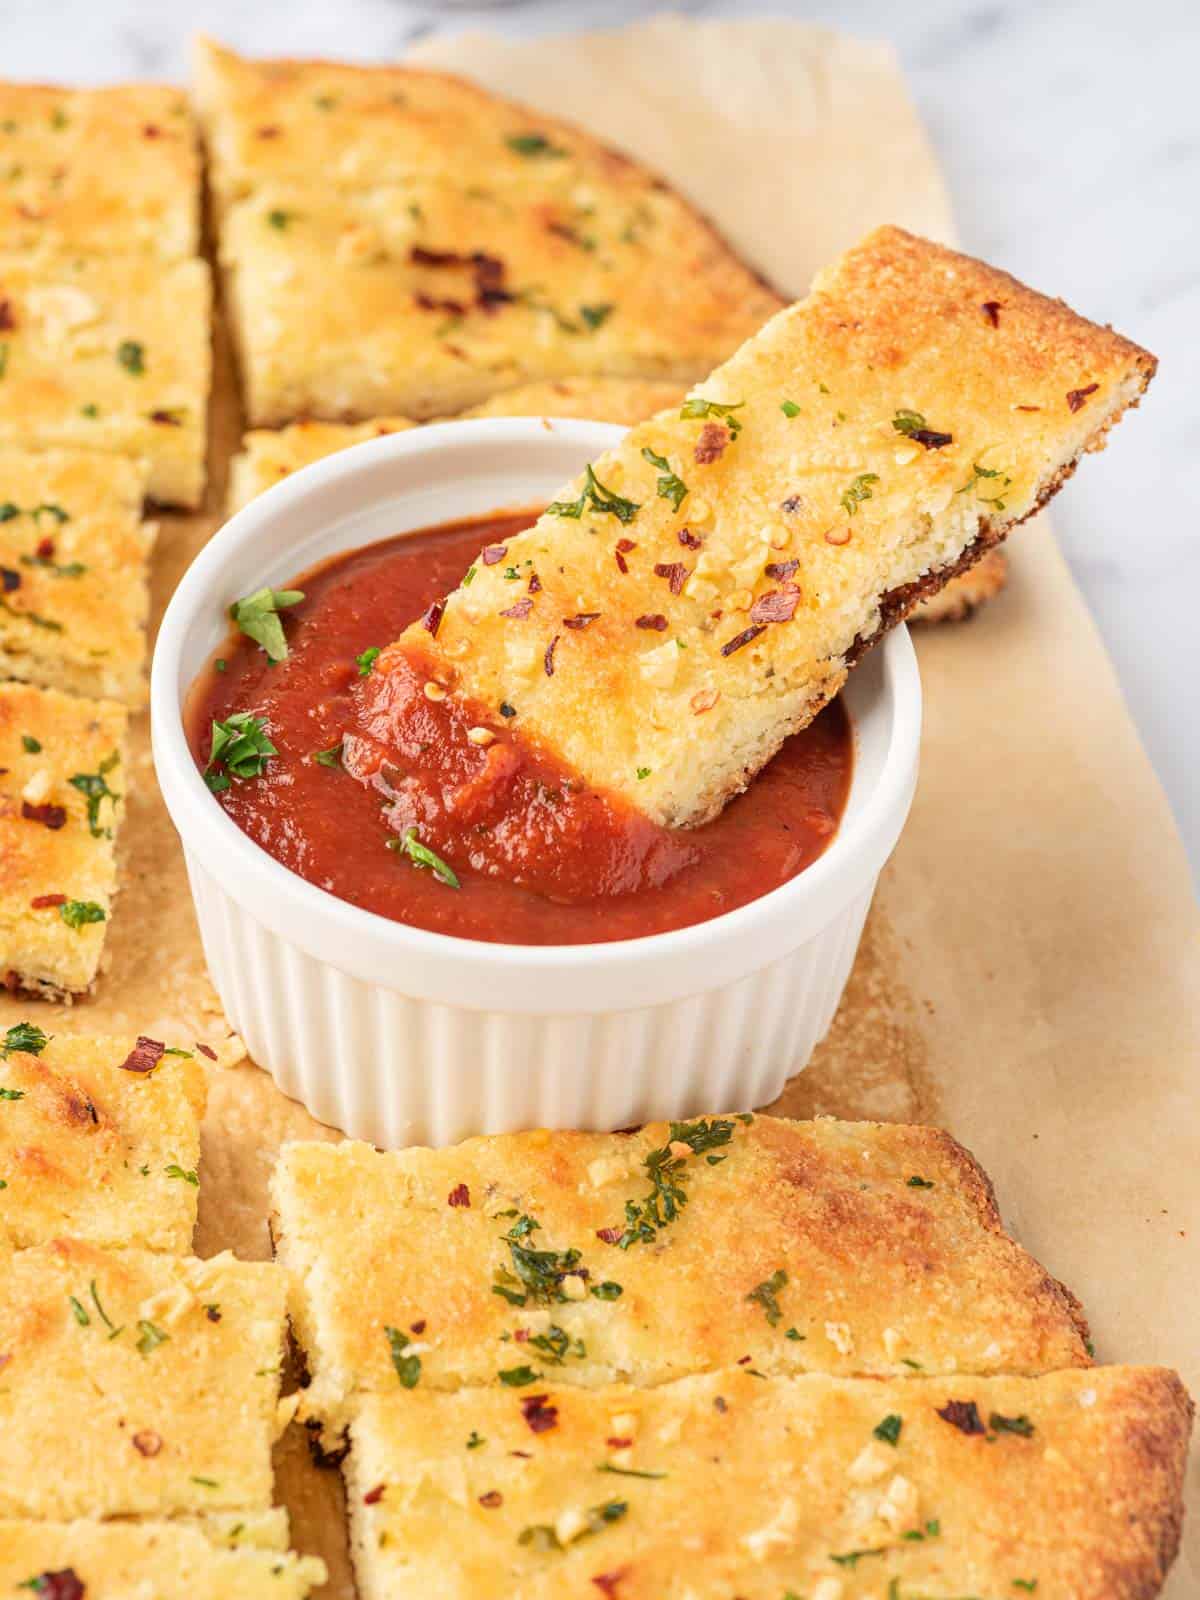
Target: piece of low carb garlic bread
{"x":704,"y":588}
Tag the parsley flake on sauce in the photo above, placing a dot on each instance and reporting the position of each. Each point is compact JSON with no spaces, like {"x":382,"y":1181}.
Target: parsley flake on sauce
{"x":328,"y":758}
{"x":366,"y":661}
{"x":597,"y":498}
{"x":408,"y":1367}
{"x":670,"y":486}
{"x":240,"y":746}
{"x":257,"y":615}
{"x":422,"y":856}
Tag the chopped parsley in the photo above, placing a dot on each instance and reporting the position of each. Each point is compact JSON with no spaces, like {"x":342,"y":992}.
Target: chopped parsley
{"x":328,"y":758}
{"x":606,"y":1291}
{"x":766,"y":1294}
{"x":517,"y":1377}
{"x":240,"y":746}
{"x":978,"y":475}
{"x":1019,"y":1425}
{"x":888,"y":1431}
{"x":670,"y":486}
{"x":422,"y":856}
{"x":475,"y":1440}
{"x":132,"y":356}
{"x":113,"y":1330}
{"x":666,"y":1171}
{"x":468,"y":577}
{"x":366,"y":661}
{"x":536,"y":1275}
{"x":1028,"y":1585}
{"x":279,"y":219}
{"x":30,"y":745}
{"x":852,"y":1557}
{"x":859,"y":490}
{"x":78,"y":913}
{"x":789,"y":408}
{"x":642,"y":772}
{"x":542,"y":1536}
{"x":9,"y":510}
{"x":596,"y":316}
{"x":149,"y":1337}
{"x":913,"y":426}
{"x":712,"y":408}
{"x":174,"y":1170}
{"x":917,"y":1182}
{"x":60,"y":569}
{"x":596,"y":497}
{"x":556,"y":1344}
{"x":257,"y":615}
{"x":533,"y":145}
{"x":12,"y":1094}
{"x":627,"y":1472}
{"x":408,"y":1367}
{"x":931,"y":1530}
{"x":24,"y":1036}
{"x":79,"y":1312}
{"x":94,"y":786}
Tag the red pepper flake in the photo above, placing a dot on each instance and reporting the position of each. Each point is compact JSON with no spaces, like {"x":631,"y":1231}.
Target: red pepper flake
{"x":710,"y":446}
{"x":50,"y":816}
{"x":548,"y":658}
{"x":743,"y":638}
{"x":213,"y":1313}
{"x":777,"y":605}
{"x":521,"y":1335}
{"x":432,"y":620}
{"x":522,"y":1455}
{"x":991,"y":310}
{"x":7,"y":320}
{"x":609,"y":1235}
{"x":1029,"y":408}
{"x":40,"y":902}
{"x":151,"y":131}
{"x":147,"y":1442}
{"x":62,"y":1585}
{"x":375,"y":1495}
{"x":688,"y":539}
{"x":780,"y":569}
{"x":145,"y":1055}
{"x":491,"y":1499}
{"x":450,"y":308}
{"x":654,"y":620}
{"x":206,"y":1050}
{"x":522,"y":609}
{"x":45,"y":549}
{"x":10,"y":579}
{"x":535,"y":583}
{"x":581,"y":619}
{"x":268,"y":132}
{"x":743,"y":1361}
{"x":540,"y":1416}
{"x":166,"y":418}
{"x":618,"y":1444}
{"x":417,"y":1327}
{"x":624,"y":546}
{"x":460,"y":1195}
{"x":930,"y":438}
{"x":674,"y":572}
{"x":492,"y":553}
{"x":963,"y":1415}
{"x":607,"y":1582}
{"x":721,"y":1404}
{"x":1078,"y":397}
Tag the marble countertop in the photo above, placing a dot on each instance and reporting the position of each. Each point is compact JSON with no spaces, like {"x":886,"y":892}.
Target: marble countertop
{"x":1070,"y":135}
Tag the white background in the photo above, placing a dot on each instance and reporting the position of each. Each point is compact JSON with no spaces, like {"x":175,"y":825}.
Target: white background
{"x":1070,"y":134}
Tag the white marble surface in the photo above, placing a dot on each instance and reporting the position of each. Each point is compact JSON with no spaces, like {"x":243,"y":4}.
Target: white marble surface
{"x":1070,"y":133}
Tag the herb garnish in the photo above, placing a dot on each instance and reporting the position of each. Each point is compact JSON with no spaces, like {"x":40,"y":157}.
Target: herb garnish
{"x":79,"y":1312}
{"x":917,"y":1182}
{"x":77,"y":913}
{"x":408,"y":1367}
{"x":853,"y":1557}
{"x":366,"y":661}
{"x":30,"y":745}
{"x":1027,"y":1584}
{"x":239,"y":745}
{"x":132,"y":356}
{"x":257,"y":615}
{"x":149,"y":1337}
{"x":627,"y":1472}
{"x":60,"y":569}
{"x":533,"y":144}
{"x":536,"y":1276}
{"x":595,"y":316}
{"x":596,"y":497}
{"x":328,"y":758}
{"x":24,"y":1036}
{"x":9,"y":509}
{"x":789,"y":408}
{"x":94,"y":785}
{"x":1019,"y":1425}
{"x":888,"y":1431}
{"x":421,"y":856}
{"x":859,"y":490}
{"x":666,"y":1171}
{"x":712,"y":408}
{"x":670,"y":486}
{"x":767,"y":1295}
{"x":517,"y":1377}
{"x":542,"y":1536}
{"x":12,"y":1094}
{"x":279,"y":219}
{"x":174,"y":1170}
{"x":913,"y":426}
{"x":475,"y":1440}
{"x":556,"y":1345}
{"x":113,"y":1329}
{"x":979,"y":473}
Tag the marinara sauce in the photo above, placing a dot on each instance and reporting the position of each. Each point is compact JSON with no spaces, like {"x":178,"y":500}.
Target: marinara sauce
{"x":539,"y":857}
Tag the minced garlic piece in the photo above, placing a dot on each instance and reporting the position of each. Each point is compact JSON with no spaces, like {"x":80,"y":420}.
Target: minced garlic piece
{"x":840,"y":1337}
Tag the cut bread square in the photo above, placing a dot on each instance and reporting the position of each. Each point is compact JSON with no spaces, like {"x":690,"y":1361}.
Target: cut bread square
{"x":137,"y":1383}
{"x":109,"y":353}
{"x":168,"y":1560}
{"x":848,"y":1248}
{"x":269,"y":455}
{"x":99,"y":1139}
{"x":63,"y":779}
{"x":74,"y":565}
{"x":735,"y":1484}
{"x":103,"y":171}
{"x":424,"y":299}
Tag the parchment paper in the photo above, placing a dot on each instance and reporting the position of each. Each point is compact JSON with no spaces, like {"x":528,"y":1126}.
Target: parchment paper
{"x":1029,"y":976}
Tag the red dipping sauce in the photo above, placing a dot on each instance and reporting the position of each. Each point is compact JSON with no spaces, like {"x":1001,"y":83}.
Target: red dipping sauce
{"x":540,"y":858}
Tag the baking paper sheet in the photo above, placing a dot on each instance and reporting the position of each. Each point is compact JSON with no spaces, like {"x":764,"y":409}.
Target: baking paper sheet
{"x":1029,"y":976}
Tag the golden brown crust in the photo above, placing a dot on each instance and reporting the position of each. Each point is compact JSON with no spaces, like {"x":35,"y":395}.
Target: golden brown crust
{"x":175,"y":1413}
{"x":964,"y":595}
{"x":58,"y":870}
{"x":885,"y":433}
{"x":624,"y":400}
{"x":884,"y":1275}
{"x":75,"y":553}
{"x":1068,"y":1484}
{"x":268,"y":456}
{"x":97,"y":1150}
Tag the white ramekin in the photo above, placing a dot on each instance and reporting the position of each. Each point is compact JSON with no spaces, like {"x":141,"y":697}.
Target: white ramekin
{"x":400,"y":1036}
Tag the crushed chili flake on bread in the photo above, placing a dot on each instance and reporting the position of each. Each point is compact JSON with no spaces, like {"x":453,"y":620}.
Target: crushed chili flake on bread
{"x":74,"y":572}
{"x":63,"y":782}
{"x":173,"y":1560}
{"x":735,"y":1484}
{"x":92,"y":1149}
{"x":883,"y":433}
{"x":798,"y":1246}
{"x":124,"y":1394}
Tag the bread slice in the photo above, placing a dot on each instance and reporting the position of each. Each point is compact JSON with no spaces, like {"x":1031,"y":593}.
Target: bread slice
{"x":865,"y":446}
{"x":63,"y":781}
{"x":168,"y":1560}
{"x":963,"y":596}
{"x":104,"y":171}
{"x":732,"y":1484}
{"x":624,"y":400}
{"x":882,"y":1243}
{"x":430,"y":297}
{"x":112,"y":353}
{"x":74,"y":562}
{"x":175,"y":1412}
{"x":269,"y":455}
{"x":99,"y":1139}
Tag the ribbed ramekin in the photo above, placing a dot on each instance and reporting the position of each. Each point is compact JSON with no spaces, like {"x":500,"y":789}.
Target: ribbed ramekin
{"x":400,"y":1036}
